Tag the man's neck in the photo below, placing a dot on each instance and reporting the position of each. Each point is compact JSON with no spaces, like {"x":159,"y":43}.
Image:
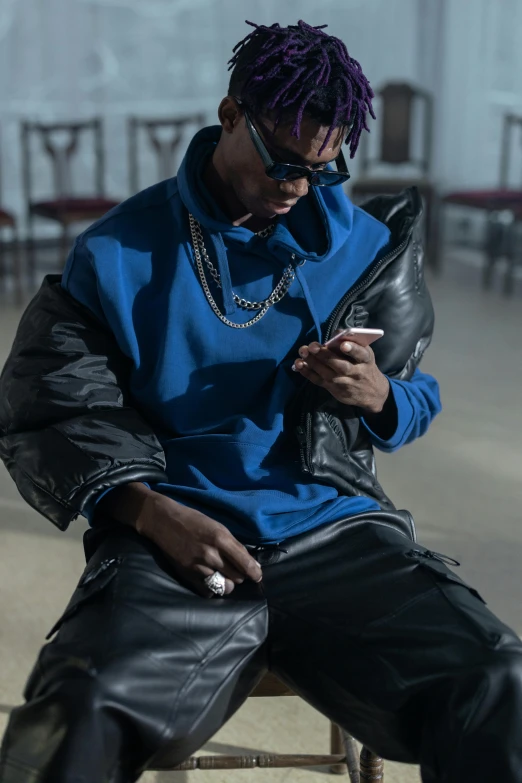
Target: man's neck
{"x":224,"y":195}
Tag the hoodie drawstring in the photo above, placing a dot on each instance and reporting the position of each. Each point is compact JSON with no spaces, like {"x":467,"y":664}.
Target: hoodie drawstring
{"x":224,"y":272}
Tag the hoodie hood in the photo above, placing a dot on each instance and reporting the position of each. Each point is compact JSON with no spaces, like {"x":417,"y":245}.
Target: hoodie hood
{"x":315,"y":228}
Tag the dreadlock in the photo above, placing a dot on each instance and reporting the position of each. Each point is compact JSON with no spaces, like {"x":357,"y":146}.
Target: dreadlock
{"x":290,"y":70}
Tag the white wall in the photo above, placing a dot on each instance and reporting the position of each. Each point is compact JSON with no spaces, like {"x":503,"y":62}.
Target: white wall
{"x":481,"y":80}
{"x":67,"y":59}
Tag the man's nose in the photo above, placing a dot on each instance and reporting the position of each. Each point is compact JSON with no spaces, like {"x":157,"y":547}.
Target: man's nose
{"x":296,"y":187}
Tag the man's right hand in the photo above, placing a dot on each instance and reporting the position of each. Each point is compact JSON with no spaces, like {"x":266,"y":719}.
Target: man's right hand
{"x":196,"y":544}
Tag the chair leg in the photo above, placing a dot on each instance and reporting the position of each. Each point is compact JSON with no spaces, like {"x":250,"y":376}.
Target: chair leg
{"x":337,"y":746}
{"x":2,"y":264}
{"x":17,"y":269}
{"x":508,"y":286}
{"x":31,"y":255}
{"x":508,"y":283}
{"x":511,"y":249}
{"x":434,"y":235}
{"x":372,"y":767}
{"x":487,"y":273}
{"x":64,"y":245}
{"x":352,"y":757}
{"x":493,"y":248}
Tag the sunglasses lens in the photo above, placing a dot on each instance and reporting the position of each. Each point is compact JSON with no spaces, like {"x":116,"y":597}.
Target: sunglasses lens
{"x":286,"y":172}
{"x":283,"y":171}
{"x":293,"y":175}
{"x":329,"y":178}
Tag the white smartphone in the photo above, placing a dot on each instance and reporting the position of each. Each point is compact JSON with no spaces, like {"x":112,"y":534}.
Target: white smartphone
{"x":360,"y":336}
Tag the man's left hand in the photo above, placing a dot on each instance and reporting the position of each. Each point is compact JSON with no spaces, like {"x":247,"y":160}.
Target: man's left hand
{"x":351,"y":375}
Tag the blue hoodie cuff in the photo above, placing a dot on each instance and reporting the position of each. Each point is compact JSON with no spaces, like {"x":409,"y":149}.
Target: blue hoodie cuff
{"x":90,"y":507}
{"x":405,"y":415}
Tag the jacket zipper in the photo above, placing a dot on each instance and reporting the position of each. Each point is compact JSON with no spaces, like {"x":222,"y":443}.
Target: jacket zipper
{"x":304,"y":429}
{"x":362,"y":285}
{"x":304,"y":436}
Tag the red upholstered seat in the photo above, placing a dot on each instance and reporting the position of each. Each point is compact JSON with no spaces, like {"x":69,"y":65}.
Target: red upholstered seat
{"x":84,"y":206}
{"x":6,"y":219}
{"x":485,"y":199}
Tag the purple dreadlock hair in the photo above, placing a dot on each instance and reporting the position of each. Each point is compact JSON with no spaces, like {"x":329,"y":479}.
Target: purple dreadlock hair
{"x":290,"y":70}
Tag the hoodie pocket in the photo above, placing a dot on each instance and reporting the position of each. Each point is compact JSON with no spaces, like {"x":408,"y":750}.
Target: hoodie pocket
{"x":93,"y":583}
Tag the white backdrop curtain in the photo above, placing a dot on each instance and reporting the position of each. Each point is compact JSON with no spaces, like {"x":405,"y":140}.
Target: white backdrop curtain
{"x":70,"y":59}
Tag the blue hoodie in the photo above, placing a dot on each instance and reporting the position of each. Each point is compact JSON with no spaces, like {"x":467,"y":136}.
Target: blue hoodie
{"x":216,"y":395}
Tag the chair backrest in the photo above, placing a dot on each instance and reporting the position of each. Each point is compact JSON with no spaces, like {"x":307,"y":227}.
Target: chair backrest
{"x":61,"y":142}
{"x":512,"y":123}
{"x":398,"y":101}
{"x":164,"y":137}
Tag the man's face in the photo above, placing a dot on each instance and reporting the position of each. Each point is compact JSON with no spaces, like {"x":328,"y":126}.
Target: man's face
{"x":261,"y":195}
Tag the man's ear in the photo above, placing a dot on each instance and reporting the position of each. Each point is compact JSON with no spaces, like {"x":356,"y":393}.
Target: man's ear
{"x":229,"y":114}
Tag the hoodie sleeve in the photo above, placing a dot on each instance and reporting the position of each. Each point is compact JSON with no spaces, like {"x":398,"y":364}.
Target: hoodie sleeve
{"x":417,"y":402}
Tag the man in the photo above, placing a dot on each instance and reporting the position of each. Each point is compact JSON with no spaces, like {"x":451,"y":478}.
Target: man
{"x":174,"y":388}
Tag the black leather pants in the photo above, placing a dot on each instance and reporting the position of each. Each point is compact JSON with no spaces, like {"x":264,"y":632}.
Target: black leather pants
{"x":371,"y":629}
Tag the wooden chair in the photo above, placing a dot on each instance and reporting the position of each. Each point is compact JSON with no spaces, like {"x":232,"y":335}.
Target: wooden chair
{"x":399,"y":103}
{"x":64,"y":207}
{"x":8,"y":221}
{"x":512,"y":250}
{"x":164,"y":149}
{"x":502,"y":207}
{"x":343,"y":757}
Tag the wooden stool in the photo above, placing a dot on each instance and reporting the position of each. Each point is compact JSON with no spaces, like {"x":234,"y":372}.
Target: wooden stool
{"x":342,"y":758}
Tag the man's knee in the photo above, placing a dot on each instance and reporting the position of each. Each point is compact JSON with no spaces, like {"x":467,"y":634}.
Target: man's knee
{"x":490,"y":687}
{"x":71,"y":723}
{"x":503,"y":674}
{"x":70,"y":683}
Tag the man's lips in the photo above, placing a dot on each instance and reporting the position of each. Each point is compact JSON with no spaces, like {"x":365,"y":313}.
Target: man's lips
{"x":282,"y":204}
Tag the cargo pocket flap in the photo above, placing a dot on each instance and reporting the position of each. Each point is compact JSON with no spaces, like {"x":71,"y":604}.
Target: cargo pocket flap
{"x":440,"y":570}
{"x":93,"y":581}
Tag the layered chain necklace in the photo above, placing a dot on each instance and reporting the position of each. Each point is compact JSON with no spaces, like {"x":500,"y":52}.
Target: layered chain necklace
{"x":201,"y":255}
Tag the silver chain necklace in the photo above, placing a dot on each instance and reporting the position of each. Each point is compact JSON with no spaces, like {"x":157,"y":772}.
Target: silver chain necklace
{"x":200,"y":254}
{"x":265,"y":232}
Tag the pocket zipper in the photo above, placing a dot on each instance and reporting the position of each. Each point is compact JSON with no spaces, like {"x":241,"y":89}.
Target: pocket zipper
{"x":94,"y":573}
{"x":429,"y":555}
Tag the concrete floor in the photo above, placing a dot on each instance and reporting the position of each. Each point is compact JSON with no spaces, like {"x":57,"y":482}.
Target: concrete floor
{"x":462,"y":483}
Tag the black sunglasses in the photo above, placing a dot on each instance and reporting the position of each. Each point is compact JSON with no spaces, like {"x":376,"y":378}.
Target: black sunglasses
{"x":289,"y":171}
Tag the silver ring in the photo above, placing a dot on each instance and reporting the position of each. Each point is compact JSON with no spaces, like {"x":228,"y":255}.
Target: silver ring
{"x":216,"y":583}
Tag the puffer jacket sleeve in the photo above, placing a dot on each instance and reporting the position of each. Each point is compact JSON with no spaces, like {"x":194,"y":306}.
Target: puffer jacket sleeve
{"x":67,"y":429}
{"x":398,"y":300}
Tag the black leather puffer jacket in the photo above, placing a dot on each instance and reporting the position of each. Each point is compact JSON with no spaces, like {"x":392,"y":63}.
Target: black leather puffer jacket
{"x":391,"y":295}
{"x":68,"y":427}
